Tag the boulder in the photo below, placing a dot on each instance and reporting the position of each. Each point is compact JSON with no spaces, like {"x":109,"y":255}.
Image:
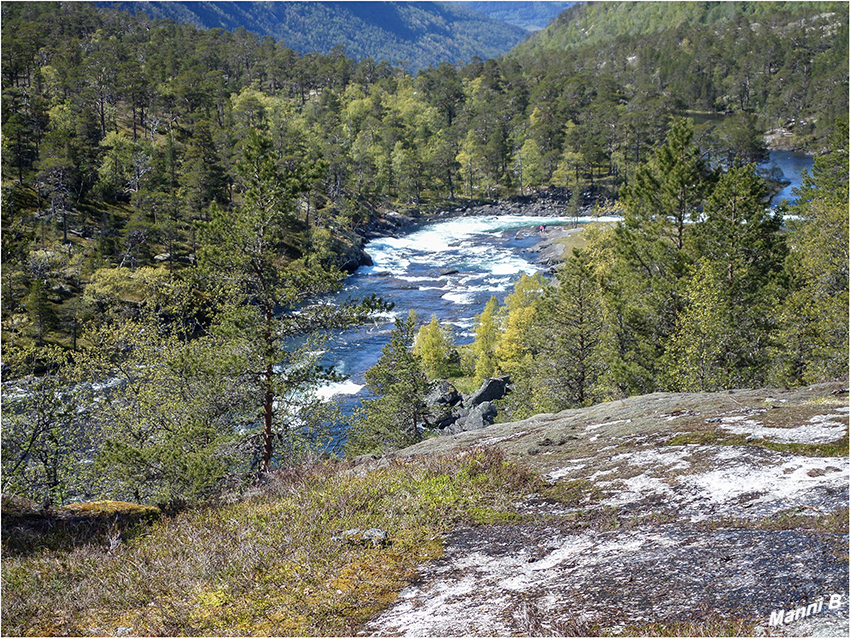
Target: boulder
{"x":355,"y":536}
{"x":353,"y":258}
{"x":476,"y":418}
{"x":491,"y":390}
{"x":443,"y":393}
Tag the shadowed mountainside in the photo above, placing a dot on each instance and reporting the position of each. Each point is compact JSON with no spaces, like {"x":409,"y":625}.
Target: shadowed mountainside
{"x":421,"y":34}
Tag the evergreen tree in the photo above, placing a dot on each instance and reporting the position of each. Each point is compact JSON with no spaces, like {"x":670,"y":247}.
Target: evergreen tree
{"x":268,"y":315}
{"x":814,"y":327}
{"x":395,"y":418}
{"x":742,"y":239}
{"x":645,"y":290}
{"x":569,"y":365}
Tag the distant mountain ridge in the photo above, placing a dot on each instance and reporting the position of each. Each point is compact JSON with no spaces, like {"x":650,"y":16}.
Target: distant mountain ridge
{"x":421,"y":34}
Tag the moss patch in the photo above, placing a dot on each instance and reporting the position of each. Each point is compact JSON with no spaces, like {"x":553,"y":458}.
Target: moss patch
{"x":718,"y":437}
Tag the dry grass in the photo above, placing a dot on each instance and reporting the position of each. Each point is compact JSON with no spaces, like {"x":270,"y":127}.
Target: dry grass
{"x":710,"y":626}
{"x":270,"y":564}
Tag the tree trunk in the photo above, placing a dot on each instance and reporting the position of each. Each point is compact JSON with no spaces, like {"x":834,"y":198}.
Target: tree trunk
{"x":268,"y":422}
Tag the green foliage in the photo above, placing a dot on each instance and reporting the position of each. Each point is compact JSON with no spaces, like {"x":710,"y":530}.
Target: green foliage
{"x":395,"y":419}
{"x":696,"y":290}
{"x":434,"y":344}
{"x":714,"y":56}
{"x":813,"y":317}
{"x":165,"y":419}
{"x":121,"y":131}
{"x":562,"y":361}
{"x":270,"y":331}
{"x":697,"y":357}
{"x":517,"y":317}
{"x":487,"y":337}
{"x":44,"y":441}
{"x":645,"y":295}
{"x":136,"y":150}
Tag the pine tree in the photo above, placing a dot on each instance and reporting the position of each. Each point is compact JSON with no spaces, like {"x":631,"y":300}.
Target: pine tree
{"x":743,"y":240}
{"x":269,"y":315}
{"x":813,"y":319}
{"x":396,"y":417}
{"x":645,"y":291}
{"x":569,"y":360}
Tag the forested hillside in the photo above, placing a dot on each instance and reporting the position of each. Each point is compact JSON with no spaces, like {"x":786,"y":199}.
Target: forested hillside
{"x":120,"y":131}
{"x":180,"y":195}
{"x":531,"y":16}
{"x":781,"y":60}
{"x":415,"y":34}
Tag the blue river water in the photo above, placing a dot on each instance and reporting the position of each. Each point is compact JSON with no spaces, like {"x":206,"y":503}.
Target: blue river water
{"x":791,"y":164}
{"x":450,"y":268}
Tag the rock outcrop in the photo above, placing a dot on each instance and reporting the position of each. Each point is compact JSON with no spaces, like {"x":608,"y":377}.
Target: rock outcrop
{"x":452,"y":413}
{"x":715,"y":509}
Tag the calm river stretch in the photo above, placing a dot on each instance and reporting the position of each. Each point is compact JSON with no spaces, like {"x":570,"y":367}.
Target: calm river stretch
{"x":450,"y":269}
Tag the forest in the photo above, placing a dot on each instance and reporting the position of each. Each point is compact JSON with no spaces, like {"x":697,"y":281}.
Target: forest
{"x":173,"y":200}
{"x":415,"y":35}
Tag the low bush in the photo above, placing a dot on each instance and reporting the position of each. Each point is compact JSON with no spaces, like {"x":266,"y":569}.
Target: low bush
{"x":272,"y":563}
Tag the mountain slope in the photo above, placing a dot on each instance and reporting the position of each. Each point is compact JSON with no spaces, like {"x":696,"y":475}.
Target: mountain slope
{"x":421,"y":34}
{"x":531,"y":16}
{"x":593,"y":23}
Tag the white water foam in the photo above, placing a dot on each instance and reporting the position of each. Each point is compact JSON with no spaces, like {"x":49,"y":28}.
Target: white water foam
{"x":326,"y":392}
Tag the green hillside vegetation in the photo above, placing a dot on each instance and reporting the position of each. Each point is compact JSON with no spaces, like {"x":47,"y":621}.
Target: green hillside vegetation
{"x":173,"y":201}
{"x":120,"y":132}
{"x":598,"y":22}
{"x":419,"y":34}
{"x":698,"y":289}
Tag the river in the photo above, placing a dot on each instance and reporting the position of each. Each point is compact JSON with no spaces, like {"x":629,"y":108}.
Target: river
{"x":451,"y":268}
{"x":791,"y":163}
